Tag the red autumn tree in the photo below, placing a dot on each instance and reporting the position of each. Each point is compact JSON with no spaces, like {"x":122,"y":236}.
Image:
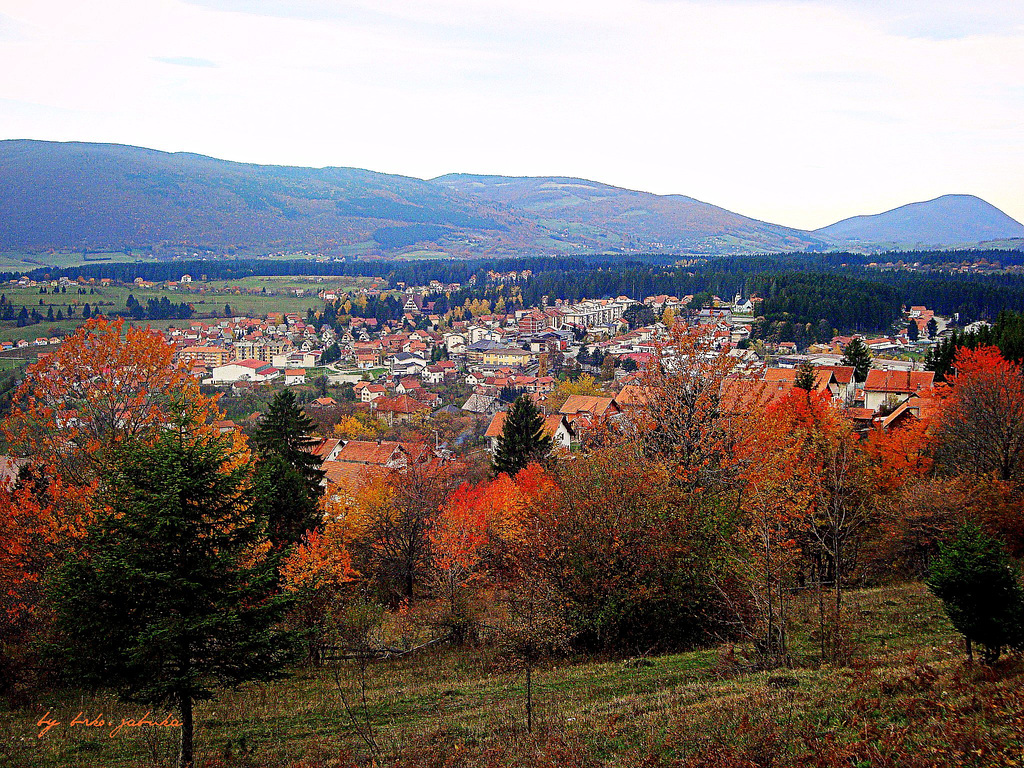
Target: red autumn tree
{"x":980,"y":427}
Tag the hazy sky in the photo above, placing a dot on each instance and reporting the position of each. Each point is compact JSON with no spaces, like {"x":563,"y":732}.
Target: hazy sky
{"x":800,"y":112}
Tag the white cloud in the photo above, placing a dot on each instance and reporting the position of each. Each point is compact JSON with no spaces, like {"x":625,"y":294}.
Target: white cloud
{"x":799,"y":112}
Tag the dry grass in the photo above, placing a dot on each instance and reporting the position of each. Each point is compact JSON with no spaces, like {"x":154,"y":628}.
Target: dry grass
{"x":902,"y":697}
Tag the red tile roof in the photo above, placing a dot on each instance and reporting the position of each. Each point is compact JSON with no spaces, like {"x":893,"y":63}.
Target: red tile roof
{"x":379,"y":454}
{"x":898,"y":381}
{"x":597,"y":406}
{"x":497,"y":425}
{"x":399,"y":404}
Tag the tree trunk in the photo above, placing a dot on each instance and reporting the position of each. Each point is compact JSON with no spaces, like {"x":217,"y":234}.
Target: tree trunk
{"x":839,"y":599}
{"x":821,"y":615}
{"x":185,"y":754}
{"x":529,"y":699}
{"x":770,"y":645}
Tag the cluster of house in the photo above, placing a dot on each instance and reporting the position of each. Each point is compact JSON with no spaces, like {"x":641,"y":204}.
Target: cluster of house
{"x":251,"y":349}
{"x":884,"y":398}
{"x":489,"y":353}
{"x":42,"y":341}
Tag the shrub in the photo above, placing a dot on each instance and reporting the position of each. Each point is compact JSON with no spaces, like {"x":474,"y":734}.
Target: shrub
{"x":979,"y":590}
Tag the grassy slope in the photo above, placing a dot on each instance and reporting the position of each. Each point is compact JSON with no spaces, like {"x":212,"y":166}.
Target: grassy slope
{"x":904,"y":698}
{"x":115,"y":298}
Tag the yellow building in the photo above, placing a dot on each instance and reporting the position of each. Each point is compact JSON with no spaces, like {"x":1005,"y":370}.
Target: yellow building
{"x":506,"y":356}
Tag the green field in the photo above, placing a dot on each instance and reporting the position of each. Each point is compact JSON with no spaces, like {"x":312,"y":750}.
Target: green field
{"x":23,"y":261}
{"x":904,"y":696}
{"x":209,"y":304}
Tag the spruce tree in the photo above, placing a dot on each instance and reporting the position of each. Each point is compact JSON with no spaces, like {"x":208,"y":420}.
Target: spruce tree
{"x":913,"y":333}
{"x":165,"y":601}
{"x":858,"y":356}
{"x":805,"y":376}
{"x":288,"y":474}
{"x":979,"y":591}
{"x":522,"y":438}
{"x":287,"y":431}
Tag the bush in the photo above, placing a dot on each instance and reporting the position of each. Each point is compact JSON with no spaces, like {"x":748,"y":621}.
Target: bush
{"x":980,"y":591}
{"x":642,"y":566}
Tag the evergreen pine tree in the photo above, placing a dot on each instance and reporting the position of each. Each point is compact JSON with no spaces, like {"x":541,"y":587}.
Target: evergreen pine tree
{"x":288,"y":472}
{"x":857,"y":355}
{"x":169,"y":605}
{"x":912,"y":331}
{"x":522,"y":438}
{"x":933,"y":327}
{"x":331,"y":354}
{"x":805,"y":376}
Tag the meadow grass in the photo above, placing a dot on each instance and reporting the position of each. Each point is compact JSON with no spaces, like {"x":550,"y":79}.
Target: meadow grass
{"x":902,"y":685}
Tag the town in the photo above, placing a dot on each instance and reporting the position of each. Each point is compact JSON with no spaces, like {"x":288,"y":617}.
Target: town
{"x":446,"y":381}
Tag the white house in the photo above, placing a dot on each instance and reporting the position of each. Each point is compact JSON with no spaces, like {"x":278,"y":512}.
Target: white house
{"x":371,"y":392}
{"x":404,"y":364}
{"x":455,"y":343}
{"x":294,"y":376}
{"x":556,"y":426}
{"x":244,"y":370}
{"x":294,"y":360}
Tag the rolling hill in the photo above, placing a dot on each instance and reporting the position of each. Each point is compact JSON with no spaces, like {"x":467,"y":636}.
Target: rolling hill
{"x":945,"y":221}
{"x":73,"y":196}
{"x":587,"y":212}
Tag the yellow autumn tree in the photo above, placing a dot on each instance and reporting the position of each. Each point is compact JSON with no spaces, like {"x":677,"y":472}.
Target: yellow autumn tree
{"x":584,"y":385}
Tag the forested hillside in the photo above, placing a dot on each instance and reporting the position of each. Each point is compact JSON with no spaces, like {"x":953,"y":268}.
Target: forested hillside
{"x":80,"y":197}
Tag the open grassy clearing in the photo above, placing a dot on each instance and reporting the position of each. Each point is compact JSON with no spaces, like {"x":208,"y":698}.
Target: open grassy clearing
{"x":208,"y":305}
{"x":903,"y":689}
{"x":26,"y":261}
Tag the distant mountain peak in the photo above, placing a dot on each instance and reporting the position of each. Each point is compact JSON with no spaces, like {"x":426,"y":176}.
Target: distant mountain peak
{"x":949,"y":220}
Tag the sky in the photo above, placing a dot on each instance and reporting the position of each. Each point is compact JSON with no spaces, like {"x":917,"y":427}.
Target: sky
{"x":800,"y":112}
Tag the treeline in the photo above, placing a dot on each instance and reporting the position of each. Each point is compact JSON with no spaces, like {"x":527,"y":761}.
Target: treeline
{"x":831,"y":291}
{"x":158,"y":309}
{"x":1007,"y":333}
{"x":808,"y":307}
{"x":410,"y":272}
{"x":21,"y":316}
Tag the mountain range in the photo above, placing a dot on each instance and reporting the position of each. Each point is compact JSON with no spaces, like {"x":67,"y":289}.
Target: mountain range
{"x":70,"y":196}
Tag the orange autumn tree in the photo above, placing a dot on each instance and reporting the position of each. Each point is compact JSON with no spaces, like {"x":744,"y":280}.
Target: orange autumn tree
{"x":487,"y":525}
{"x":106,"y":386}
{"x":480,"y":535}
{"x":458,"y":535}
{"x":806,"y":493}
{"x":679,"y":414}
{"x":895,"y":457}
